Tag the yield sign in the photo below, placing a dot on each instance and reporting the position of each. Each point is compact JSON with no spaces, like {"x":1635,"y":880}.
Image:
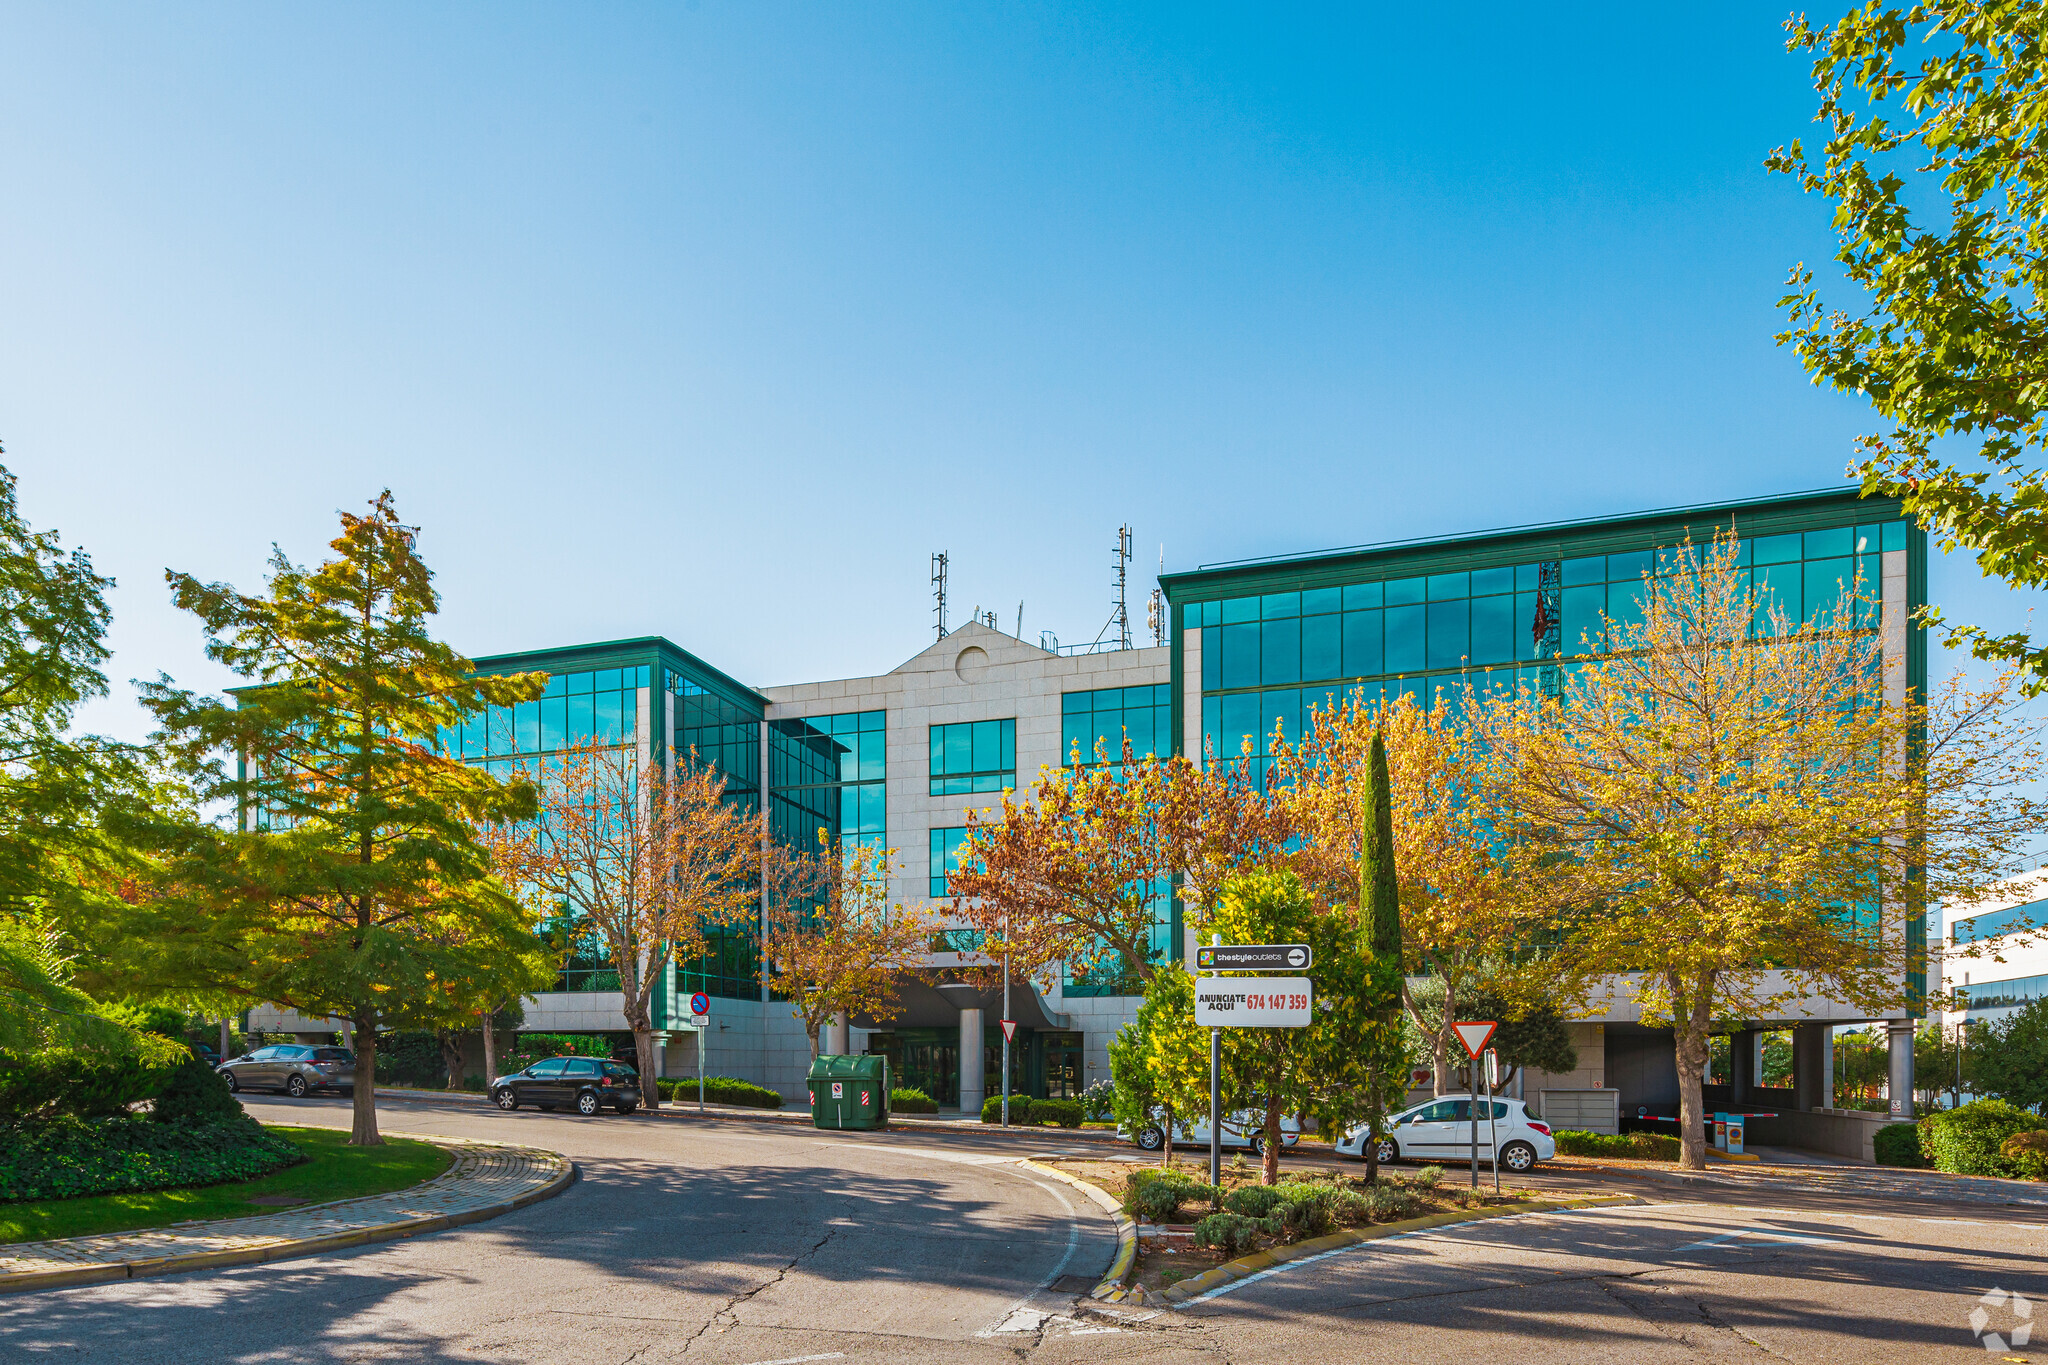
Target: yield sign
{"x":1009,"y":1030}
{"x":1474,"y":1035}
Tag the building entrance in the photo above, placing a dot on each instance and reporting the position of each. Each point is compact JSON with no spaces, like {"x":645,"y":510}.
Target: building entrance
{"x":926,"y":1059}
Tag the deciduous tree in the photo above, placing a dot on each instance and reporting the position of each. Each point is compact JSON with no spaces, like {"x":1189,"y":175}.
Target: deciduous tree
{"x":1738,"y":818}
{"x":645,"y":862}
{"x":1931,"y":156}
{"x":837,"y":946}
{"x":353,"y":883}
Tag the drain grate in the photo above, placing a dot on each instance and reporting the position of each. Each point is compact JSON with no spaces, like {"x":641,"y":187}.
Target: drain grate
{"x":1072,"y":1284}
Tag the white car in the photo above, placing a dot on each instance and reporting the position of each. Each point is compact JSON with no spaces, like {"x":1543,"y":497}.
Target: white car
{"x":1441,"y":1131}
{"x":1244,"y":1128}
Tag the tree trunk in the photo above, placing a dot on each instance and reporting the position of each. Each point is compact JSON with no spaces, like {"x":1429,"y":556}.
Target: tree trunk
{"x":643,"y":1057}
{"x":1270,"y":1173}
{"x":451,"y":1055}
{"x":1166,"y":1147}
{"x":1690,"y":1040}
{"x":490,"y":1020}
{"x":363,"y":1127}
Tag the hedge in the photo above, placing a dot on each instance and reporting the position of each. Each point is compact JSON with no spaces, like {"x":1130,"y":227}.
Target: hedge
{"x":1020,"y":1109}
{"x":1640,"y":1146}
{"x":1025,"y":1110}
{"x":720,"y":1090}
{"x":1898,"y":1144}
{"x":1966,"y":1141}
{"x":912,"y":1102}
{"x":68,"y":1157}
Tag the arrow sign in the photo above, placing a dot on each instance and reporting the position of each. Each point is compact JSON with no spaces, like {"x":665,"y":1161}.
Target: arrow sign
{"x":1474,"y":1035}
{"x":1254,"y":957}
{"x":1009,"y":1030}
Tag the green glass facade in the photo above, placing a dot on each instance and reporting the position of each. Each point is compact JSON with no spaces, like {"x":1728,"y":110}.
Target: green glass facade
{"x":1277,"y":639}
{"x":831,"y":773}
{"x":945,"y":857}
{"x":1107,"y":716}
{"x":973,"y":756}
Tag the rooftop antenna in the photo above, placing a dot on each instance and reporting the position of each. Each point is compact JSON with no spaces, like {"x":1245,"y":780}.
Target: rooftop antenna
{"x":1020,"y":620}
{"x":1155,"y":616}
{"x":939,"y":590}
{"x":1122,"y":618}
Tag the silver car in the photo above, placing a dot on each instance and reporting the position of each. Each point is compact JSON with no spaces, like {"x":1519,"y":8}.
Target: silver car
{"x":295,"y":1068}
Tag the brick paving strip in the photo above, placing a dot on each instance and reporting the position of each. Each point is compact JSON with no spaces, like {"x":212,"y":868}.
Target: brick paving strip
{"x":487,"y":1179}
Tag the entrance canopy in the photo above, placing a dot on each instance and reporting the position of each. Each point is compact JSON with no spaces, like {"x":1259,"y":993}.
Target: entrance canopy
{"x":926,"y":1007}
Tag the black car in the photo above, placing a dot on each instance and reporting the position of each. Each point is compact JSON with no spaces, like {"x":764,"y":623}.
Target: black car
{"x":586,"y":1084}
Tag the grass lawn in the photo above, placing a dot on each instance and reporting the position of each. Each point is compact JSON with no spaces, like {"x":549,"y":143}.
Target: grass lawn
{"x":335,"y":1171}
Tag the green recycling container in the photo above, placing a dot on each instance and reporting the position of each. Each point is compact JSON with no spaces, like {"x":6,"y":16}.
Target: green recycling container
{"x":849,"y":1092}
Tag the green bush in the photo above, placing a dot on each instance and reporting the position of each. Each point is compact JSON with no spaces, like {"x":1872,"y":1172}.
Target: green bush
{"x":1391,"y":1203}
{"x":195,"y":1093}
{"x":1252,"y":1201}
{"x":1233,"y":1234}
{"x":1966,"y":1141}
{"x":719,"y":1090}
{"x":1065,"y":1113}
{"x":69,"y":1083}
{"x":1305,"y":1210}
{"x":411,"y":1057}
{"x":1021,"y":1109}
{"x":912,"y":1102}
{"x":1898,"y":1144}
{"x":2028,"y":1152}
{"x":1429,"y":1177}
{"x":1158,"y":1195}
{"x":67,"y":1157}
{"x":1638,"y":1146}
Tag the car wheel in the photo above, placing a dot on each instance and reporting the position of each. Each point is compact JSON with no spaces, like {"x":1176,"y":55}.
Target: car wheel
{"x":505,"y":1099}
{"x":1258,"y":1145}
{"x":233,"y":1084}
{"x":1388,"y":1153}
{"x":1518,"y":1156}
{"x":295,"y":1086}
{"x":1150,"y":1138}
{"x":586,"y":1104}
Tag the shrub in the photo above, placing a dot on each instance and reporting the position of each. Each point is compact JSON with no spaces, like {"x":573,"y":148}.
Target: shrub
{"x":195,"y":1094}
{"x":1252,"y":1201}
{"x":1898,"y":1144}
{"x":912,"y":1102}
{"x":1429,"y":1177}
{"x":1097,"y":1101}
{"x":1391,"y":1203}
{"x":2028,"y":1152}
{"x":1351,"y":1208}
{"x":1233,"y":1234}
{"x":719,"y":1090}
{"x":1640,"y":1146}
{"x":65,"y":1082}
{"x":1158,"y":1195}
{"x":1966,"y":1141}
{"x":1021,"y":1109}
{"x":68,"y":1157}
{"x":1065,"y":1113}
{"x":1305,"y":1210}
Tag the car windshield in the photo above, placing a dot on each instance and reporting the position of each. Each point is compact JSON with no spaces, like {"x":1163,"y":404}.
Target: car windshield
{"x":551,"y":1067}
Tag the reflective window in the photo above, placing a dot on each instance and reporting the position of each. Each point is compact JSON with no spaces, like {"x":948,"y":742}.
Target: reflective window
{"x":1107,"y":716}
{"x":945,"y":857}
{"x":973,"y":756}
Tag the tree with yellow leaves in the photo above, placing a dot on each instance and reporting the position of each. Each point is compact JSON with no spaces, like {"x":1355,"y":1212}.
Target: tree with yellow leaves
{"x":1732,"y":817}
{"x":835,"y":944}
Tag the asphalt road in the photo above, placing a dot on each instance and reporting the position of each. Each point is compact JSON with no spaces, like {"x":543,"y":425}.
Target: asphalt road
{"x":705,"y":1241}
{"x":744,"y":1242}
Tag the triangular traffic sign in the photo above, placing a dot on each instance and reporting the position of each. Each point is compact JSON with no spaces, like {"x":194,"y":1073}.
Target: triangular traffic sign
{"x":1474,"y":1035}
{"x":1009,"y":1030}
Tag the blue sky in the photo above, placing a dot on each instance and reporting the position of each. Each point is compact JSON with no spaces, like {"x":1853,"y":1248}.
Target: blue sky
{"x":715,"y":320}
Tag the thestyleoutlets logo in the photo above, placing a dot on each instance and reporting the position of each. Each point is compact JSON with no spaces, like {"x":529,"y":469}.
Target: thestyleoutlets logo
{"x":2011,"y":1311}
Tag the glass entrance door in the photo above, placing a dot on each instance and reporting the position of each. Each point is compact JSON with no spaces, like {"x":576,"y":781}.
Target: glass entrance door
{"x":926,"y":1059}
{"x":1062,"y":1073}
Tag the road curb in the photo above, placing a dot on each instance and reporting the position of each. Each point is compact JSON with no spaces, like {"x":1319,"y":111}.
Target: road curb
{"x":1246,"y":1266}
{"x":1111,"y":1287}
{"x":145,"y":1266}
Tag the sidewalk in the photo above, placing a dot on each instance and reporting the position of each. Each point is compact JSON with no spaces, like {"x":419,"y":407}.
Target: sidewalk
{"x":486,"y":1180}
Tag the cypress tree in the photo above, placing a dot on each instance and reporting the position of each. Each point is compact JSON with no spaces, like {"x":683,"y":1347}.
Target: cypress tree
{"x":1382,"y":886}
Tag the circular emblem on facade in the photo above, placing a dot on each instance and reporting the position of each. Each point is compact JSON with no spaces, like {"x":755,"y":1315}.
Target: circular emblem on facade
{"x":972,"y":664}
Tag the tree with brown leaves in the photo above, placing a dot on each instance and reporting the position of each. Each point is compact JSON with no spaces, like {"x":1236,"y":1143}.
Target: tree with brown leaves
{"x":837,"y":946}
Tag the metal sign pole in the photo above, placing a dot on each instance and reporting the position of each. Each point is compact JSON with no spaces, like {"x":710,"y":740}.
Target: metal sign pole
{"x":1008,"y":1029}
{"x":1215,"y":1096}
{"x":1492,"y":1134}
{"x":700,"y":1068}
{"x":1472,"y":1107}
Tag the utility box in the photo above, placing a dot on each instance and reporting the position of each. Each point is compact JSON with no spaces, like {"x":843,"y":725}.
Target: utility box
{"x":849,"y":1092}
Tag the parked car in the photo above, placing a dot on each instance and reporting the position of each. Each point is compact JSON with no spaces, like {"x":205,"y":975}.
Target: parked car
{"x":1441,"y":1130}
{"x":298,"y":1069}
{"x":585,"y":1084}
{"x":1244,"y":1128}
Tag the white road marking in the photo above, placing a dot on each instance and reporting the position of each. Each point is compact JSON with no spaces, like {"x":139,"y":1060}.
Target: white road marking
{"x":800,"y":1360}
{"x":1019,"y":1309}
{"x":1767,"y":1234}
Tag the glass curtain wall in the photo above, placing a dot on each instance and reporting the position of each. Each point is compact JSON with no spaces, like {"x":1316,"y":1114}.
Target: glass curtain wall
{"x":722,"y":734}
{"x":1106,"y":716}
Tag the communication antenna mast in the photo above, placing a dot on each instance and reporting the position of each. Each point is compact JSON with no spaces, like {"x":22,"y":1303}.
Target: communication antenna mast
{"x":1122,"y":618}
{"x":1155,"y":616}
{"x":939,"y":590}
{"x":1020,"y":620}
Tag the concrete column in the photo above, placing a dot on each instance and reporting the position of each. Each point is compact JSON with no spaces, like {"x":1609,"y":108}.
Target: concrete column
{"x":1899,"y":1035}
{"x":1812,"y":1066}
{"x":838,"y":1037}
{"x":971,"y":1080}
